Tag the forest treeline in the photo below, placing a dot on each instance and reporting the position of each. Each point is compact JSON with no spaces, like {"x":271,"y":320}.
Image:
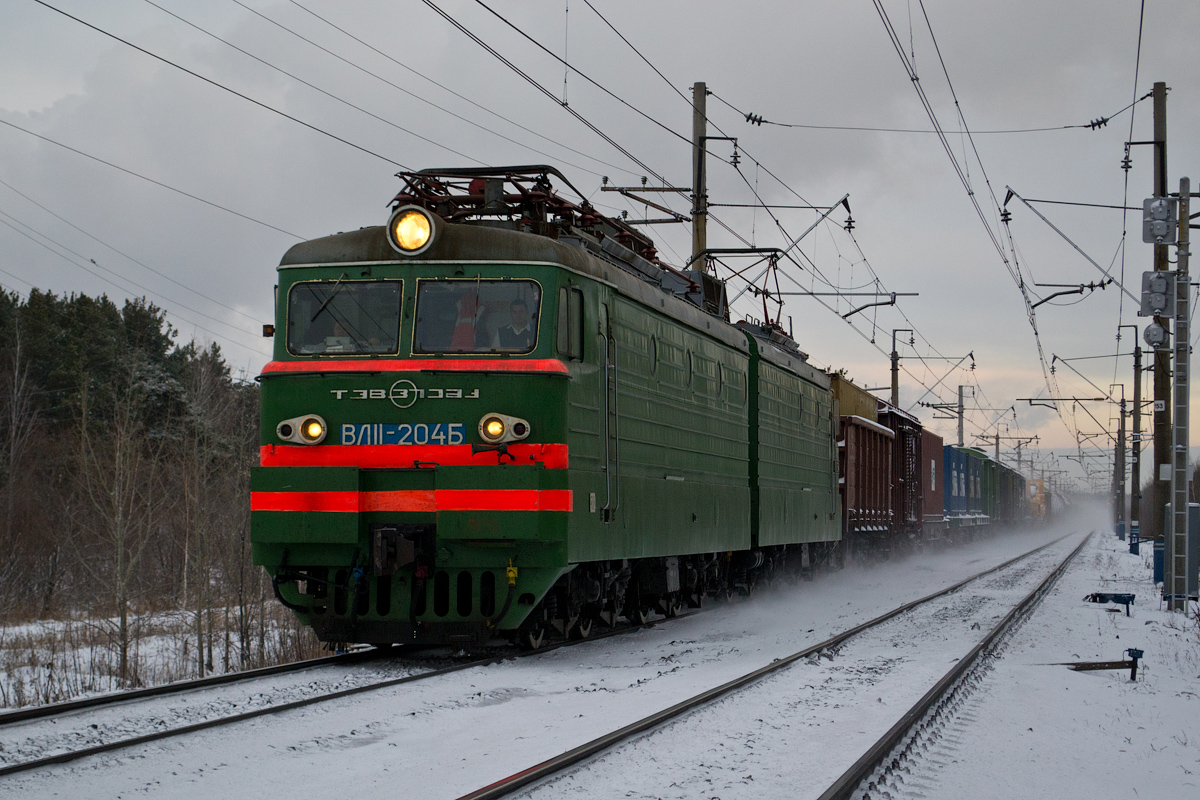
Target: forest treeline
{"x":124,"y":477}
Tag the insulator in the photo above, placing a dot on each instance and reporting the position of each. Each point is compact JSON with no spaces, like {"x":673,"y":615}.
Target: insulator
{"x":849,"y":226}
{"x":1005,"y":216}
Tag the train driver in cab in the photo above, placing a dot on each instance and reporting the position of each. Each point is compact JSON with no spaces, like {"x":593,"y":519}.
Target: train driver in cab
{"x":519,"y":334}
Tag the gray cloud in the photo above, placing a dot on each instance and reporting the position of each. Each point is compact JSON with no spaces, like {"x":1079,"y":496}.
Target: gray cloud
{"x":1014,"y":65}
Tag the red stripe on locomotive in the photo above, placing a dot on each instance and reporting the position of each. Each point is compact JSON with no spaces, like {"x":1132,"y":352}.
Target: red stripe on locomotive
{"x":417,"y":500}
{"x":420,"y":365}
{"x":383,"y":456}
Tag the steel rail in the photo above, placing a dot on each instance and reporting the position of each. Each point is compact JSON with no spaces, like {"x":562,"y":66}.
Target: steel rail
{"x":848,"y":784}
{"x":584,"y":751}
{"x":107,"y":747}
{"x":177,"y":687}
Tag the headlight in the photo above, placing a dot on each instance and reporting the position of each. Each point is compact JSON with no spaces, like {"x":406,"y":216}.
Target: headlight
{"x":411,"y":229}
{"x":313,"y":430}
{"x":500,"y":428}
{"x":308,"y":429}
{"x":493,"y":428}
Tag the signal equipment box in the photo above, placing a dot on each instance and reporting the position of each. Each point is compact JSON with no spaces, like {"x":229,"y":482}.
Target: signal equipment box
{"x":1158,"y":294}
{"x":1160,"y":220}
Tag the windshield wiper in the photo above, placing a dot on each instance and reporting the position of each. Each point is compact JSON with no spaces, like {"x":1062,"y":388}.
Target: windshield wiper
{"x":332,"y":294}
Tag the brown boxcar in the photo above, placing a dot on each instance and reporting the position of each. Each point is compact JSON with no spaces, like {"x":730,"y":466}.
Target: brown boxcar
{"x":932,"y":488}
{"x":907,"y":506}
{"x":865,"y":465}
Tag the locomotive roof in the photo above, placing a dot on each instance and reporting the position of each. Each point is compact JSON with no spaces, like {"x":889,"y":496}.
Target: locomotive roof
{"x":499,"y":214}
{"x":484,"y":243}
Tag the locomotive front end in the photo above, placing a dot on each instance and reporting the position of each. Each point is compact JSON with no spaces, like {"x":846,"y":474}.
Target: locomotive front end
{"x":413,"y":481}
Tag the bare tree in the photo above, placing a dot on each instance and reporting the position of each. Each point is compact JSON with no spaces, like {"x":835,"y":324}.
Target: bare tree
{"x":120,"y":480}
{"x":19,"y":419}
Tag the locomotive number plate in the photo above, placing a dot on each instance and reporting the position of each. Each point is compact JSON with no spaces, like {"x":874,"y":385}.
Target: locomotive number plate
{"x":404,"y":433}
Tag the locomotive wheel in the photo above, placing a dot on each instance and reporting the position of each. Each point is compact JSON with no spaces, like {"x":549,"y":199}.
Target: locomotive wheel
{"x":640,"y":615}
{"x":532,"y":633}
{"x":670,"y":605}
{"x":532,"y":639}
{"x":582,"y":628}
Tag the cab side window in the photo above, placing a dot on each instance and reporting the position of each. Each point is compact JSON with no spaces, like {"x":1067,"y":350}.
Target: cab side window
{"x":570,"y":323}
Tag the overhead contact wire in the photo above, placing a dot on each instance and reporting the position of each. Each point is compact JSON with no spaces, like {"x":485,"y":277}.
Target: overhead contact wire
{"x":140,"y":176}
{"x":223,"y":87}
{"x":313,"y":86}
{"x":534,"y":83}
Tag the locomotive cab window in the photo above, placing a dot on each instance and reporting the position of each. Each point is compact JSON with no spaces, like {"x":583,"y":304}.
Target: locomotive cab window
{"x":344,"y":317}
{"x":570,"y":323}
{"x":477,"y":316}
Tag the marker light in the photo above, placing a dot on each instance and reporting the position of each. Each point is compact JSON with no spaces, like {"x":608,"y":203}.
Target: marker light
{"x":411,"y":229}
{"x":500,"y":428}
{"x":308,"y":429}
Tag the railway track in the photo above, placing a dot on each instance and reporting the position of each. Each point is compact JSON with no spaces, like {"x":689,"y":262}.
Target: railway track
{"x":96,"y":736}
{"x":65,"y":746}
{"x":178,"y":687}
{"x":881,"y":770}
{"x":879,"y":765}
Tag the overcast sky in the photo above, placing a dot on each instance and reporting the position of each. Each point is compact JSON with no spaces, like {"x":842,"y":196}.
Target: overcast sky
{"x":427,"y":95}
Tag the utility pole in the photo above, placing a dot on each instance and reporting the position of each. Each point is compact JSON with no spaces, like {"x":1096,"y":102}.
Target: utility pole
{"x":1176,"y":546}
{"x":1135,"y":498}
{"x":1161,"y":485}
{"x":896,"y":376}
{"x":1021,"y":441}
{"x":960,"y":412}
{"x":1119,"y":473}
{"x":960,"y":416}
{"x":699,"y":173}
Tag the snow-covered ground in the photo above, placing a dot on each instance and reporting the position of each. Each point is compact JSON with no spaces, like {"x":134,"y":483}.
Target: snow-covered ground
{"x":442,"y":737}
{"x":1084,"y":734}
{"x":38,"y":739}
{"x":50,"y":661}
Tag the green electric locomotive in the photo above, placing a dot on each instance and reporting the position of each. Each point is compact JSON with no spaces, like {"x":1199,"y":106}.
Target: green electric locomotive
{"x":501,"y":414}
